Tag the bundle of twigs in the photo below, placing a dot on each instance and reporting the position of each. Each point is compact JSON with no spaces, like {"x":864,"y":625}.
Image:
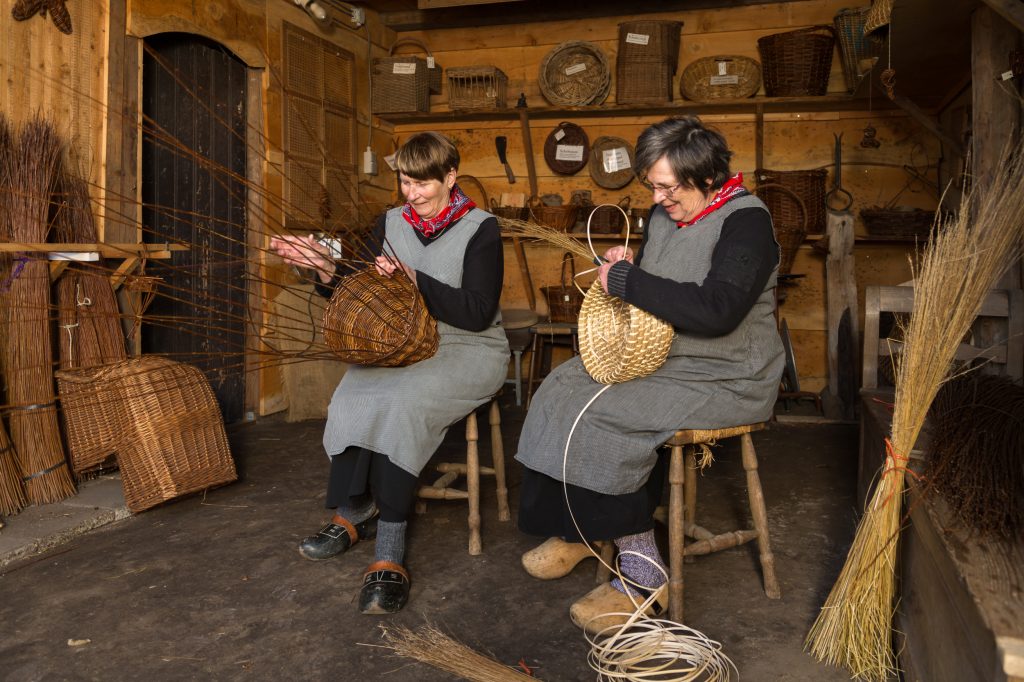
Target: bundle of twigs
{"x":74,"y":220}
{"x":966,"y":257}
{"x":975,"y":457}
{"x":89,"y":322}
{"x":31,"y":169}
{"x":12,"y":494}
{"x":533,"y":231}
{"x":431,"y":646}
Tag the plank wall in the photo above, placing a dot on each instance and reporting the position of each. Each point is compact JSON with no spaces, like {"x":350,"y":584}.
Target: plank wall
{"x":792,"y":141}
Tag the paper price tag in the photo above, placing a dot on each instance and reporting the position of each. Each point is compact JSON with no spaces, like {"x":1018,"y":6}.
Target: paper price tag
{"x":723,"y":68}
{"x":724,"y":80}
{"x":430,"y":62}
{"x":638,"y":38}
{"x":615,"y":160}
{"x":569,"y":152}
{"x":575,"y":68}
{"x":404,"y":68}
{"x":559,"y":134}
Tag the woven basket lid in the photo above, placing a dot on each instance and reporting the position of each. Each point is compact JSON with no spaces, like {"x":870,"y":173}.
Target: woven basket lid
{"x":575,"y":73}
{"x":878,"y":17}
{"x":567,"y":149}
{"x":611,"y":162}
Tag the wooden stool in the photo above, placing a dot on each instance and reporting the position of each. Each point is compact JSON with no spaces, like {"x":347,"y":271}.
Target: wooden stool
{"x":682,"y":478}
{"x":517,"y":323}
{"x":442,"y":488}
{"x":546,"y":335}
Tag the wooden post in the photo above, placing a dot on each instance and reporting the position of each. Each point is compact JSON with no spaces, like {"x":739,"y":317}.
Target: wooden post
{"x":841,"y":296}
{"x":473,"y":482}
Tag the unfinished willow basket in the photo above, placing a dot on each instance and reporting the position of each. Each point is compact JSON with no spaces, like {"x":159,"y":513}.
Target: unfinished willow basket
{"x":377,"y":320}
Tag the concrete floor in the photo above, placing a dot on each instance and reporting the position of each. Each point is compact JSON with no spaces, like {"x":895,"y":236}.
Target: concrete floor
{"x":214,"y":589}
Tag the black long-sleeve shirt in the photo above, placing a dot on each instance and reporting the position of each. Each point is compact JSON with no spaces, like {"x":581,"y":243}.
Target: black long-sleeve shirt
{"x":741,"y":263}
{"x":471,"y":306}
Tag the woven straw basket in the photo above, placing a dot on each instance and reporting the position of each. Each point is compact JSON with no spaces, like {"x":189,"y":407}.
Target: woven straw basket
{"x":575,"y":73}
{"x":564,"y":299}
{"x":376,"y":320}
{"x":89,"y":407}
{"x":618,"y":341}
{"x":723,"y":77}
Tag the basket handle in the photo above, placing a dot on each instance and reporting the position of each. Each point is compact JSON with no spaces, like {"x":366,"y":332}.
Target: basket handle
{"x":479,"y":185}
{"x":590,"y":243}
{"x":567,"y":259}
{"x":811,"y":29}
{"x":410,"y":41}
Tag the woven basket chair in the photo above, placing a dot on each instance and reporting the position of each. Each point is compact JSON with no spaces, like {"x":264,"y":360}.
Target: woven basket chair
{"x":377,"y":320}
{"x":575,"y":73}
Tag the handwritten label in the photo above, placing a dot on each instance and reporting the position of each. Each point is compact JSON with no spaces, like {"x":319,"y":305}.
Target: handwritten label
{"x":575,"y":68}
{"x":430,"y":62}
{"x":615,"y":160}
{"x":559,"y":134}
{"x":638,"y":38}
{"x":723,"y":68}
{"x":724,"y":80}
{"x":404,"y":68}
{"x":569,"y":152}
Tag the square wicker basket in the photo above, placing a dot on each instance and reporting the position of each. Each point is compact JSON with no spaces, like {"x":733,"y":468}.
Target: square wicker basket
{"x":476,"y":87}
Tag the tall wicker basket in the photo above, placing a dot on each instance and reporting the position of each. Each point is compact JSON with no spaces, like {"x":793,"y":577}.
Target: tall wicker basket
{"x":645,"y":65}
{"x":808,"y":185}
{"x":853,"y":46}
{"x":564,"y":299}
{"x":797,"y":63}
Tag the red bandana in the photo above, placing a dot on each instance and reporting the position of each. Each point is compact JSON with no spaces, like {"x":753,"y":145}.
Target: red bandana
{"x":732,"y":188}
{"x":458,"y":205}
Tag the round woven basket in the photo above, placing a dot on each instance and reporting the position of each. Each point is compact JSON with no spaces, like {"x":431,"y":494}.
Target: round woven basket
{"x":562,"y":147}
{"x":605,"y":151}
{"x":618,"y":341}
{"x":575,"y":73}
{"x":722,"y":77}
{"x":797,"y":63}
{"x":377,"y":320}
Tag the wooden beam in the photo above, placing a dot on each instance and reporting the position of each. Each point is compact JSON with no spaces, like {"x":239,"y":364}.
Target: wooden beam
{"x":928,"y":122}
{"x":105,"y":250}
{"x":434,"y":4}
{"x":1011,"y":10}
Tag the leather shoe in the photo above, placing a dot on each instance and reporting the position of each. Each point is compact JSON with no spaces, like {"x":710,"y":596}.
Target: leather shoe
{"x":336,"y":537}
{"x":554,"y":558}
{"x":385,"y":588}
{"x":605,"y":607}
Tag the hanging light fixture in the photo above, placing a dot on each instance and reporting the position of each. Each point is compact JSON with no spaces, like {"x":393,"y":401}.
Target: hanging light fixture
{"x":317,"y":11}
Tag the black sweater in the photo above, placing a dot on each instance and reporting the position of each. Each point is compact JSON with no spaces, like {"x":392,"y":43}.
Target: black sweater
{"x":742,"y":261}
{"x":471,"y":306}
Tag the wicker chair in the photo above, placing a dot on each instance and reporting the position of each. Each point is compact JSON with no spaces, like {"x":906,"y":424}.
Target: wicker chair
{"x":442,"y":488}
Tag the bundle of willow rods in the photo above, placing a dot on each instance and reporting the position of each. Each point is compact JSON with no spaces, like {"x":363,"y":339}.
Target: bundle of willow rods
{"x":31,"y":169}
{"x":89,"y":322}
{"x":430,"y":645}
{"x":12,"y":493}
{"x":976,"y":456}
{"x":966,"y":257}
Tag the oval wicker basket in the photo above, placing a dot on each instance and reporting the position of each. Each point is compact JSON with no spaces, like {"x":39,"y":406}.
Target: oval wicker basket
{"x":618,"y":341}
{"x":610,"y":218}
{"x":376,"y":320}
{"x":575,"y":73}
{"x":722,"y":77}
{"x":561,"y":218}
{"x":509,"y":212}
{"x":809,"y":185}
{"x":568,"y":141}
{"x":797,"y":63}
{"x":602,"y":153}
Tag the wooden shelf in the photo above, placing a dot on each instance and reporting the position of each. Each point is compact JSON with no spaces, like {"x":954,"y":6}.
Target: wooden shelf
{"x":832,"y":102}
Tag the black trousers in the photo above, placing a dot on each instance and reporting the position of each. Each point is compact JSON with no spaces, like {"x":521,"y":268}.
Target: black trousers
{"x":357,"y":473}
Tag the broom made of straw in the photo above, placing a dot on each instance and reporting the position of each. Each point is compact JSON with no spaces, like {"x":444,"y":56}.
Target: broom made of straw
{"x":966,"y":257}
{"x":430,"y":645}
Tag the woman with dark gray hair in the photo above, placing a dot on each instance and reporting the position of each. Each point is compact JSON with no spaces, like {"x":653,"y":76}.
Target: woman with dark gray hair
{"x":707,"y":265}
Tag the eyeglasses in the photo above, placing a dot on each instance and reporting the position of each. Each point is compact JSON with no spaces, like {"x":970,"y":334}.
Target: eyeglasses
{"x":666,"y":191}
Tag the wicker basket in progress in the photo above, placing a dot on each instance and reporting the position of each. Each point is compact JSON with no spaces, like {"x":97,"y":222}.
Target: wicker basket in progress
{"x":575,"y":73}
{"x":797,"y":63}
{"x":377,"y":320}
{"x":722,"y":77}
{"x":618,"y":341}
{"x":173,"y":440}
{"x":611,"y":162}
{"x":476,"y":87}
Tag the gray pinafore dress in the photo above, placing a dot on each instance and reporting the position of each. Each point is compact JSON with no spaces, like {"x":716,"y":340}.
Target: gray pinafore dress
{"x":706,"y":382}
{"x":404,"y":412}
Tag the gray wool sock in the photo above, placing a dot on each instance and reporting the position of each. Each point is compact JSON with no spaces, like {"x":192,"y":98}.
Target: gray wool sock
{"x":638,"y":569}
{"x":355,"y":515}
{"x":391,"y":541}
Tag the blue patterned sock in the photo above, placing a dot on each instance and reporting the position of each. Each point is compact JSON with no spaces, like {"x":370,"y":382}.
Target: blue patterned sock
{"x":637,"y":569}
{"x":355,"y":515}
{"x":391,"y":541}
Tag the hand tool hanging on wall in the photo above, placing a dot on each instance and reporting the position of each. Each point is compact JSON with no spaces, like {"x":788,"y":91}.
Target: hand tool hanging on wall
{"x":501,"y":144}
{"x":517,"y":246}
{"x":841,"y":293}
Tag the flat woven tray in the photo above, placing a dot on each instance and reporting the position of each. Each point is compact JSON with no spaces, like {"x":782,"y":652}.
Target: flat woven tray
{"x":611,"y":162}
{"x":567,"y":149}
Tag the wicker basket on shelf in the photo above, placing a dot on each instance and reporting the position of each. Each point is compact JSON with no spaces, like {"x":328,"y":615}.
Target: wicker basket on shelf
{"x":611,"y":162}
{"x":797,"y":63}
{"x":608,"y":218}
{"x":567,"y":149}
{"x":899,"y":221}
{"x":809,"y":185}
{"x":722,"y":77}
{"x":509,"y":212}
{"x":561,"y":218}
{"x":854,"y":48}
{"x":564,"y":299}
{"x":476,"y":87}
{"x":646,"y":62}
{"x":377,"y":320}
{"x":434,"y":70}
{"x":790,"y":227}
{"x":399,"y":84}
{"x":575,"y":73}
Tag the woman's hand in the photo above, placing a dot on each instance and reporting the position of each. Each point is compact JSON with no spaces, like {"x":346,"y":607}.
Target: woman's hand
{"x":304,"y":252}
{"x":611,"y":257}
{"x":388,"y":266}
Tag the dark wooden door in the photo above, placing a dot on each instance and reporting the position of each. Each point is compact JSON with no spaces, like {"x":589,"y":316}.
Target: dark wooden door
{"x":193,"y":191}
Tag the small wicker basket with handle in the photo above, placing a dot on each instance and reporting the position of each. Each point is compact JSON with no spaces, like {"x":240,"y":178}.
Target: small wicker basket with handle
{"x":565,"y":298}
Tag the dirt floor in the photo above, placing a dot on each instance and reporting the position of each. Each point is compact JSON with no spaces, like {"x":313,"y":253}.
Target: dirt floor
{"x":213,"y":588}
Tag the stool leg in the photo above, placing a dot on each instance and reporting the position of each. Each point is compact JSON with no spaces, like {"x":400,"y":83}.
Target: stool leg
{"x":473,"y":482}
{"x":757,"y":510}
{"x":690,"y":473}
{"x":518,"y":355}
{"x":676,"y":480}
{"x":498,"y":459}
